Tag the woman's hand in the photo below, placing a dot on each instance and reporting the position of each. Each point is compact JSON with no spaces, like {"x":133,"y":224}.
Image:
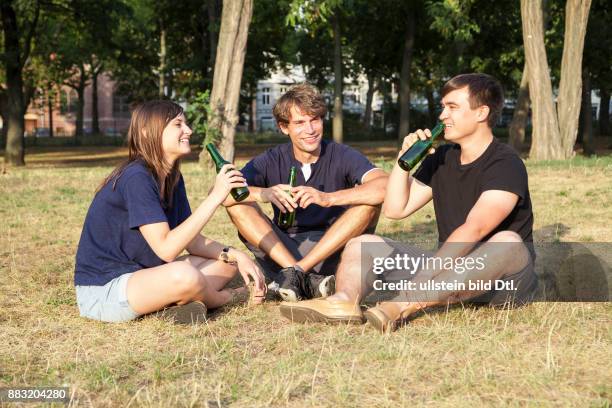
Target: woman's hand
{"x":250,"y":271}
{"x":227,"y":179}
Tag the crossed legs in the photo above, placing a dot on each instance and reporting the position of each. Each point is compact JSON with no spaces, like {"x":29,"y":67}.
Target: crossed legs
{"x":353,"y":283}
{"x":256,"y":228}
{"x":186,"y":280}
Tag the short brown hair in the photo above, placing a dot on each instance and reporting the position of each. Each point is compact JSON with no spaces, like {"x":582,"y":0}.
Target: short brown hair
{"x":483,"y":90}
{"x":303,"y":96}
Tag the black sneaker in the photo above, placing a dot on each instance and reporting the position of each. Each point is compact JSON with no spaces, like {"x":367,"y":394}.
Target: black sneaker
{"x":321,"y":285}
{"x":292,"y":287}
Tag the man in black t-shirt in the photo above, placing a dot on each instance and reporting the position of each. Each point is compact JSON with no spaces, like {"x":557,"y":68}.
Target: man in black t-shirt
{"x":483,"y":211}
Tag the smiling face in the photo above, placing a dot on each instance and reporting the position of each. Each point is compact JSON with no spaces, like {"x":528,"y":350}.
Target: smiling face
{"x":459,"y":117}
{"x":175,"y":138}
{"x":304,"y":130}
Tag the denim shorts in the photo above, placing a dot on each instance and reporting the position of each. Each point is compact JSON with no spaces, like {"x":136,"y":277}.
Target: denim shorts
{"x":106,"y":303}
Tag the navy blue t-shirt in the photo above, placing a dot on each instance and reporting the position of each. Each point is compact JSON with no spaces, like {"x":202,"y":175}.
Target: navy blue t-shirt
{"x":111,"y":244}
{"x":339,"y":167}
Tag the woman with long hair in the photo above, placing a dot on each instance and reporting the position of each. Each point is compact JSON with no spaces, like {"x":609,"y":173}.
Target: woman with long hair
{"x":139,"y":222}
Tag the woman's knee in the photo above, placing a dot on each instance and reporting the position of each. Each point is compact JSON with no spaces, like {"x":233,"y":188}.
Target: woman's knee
{"x":185,"y":278}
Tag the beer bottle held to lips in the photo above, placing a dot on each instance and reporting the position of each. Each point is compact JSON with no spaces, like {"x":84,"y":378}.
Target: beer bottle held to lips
{"x":419,"y":149}
{"x":238,"y":193}
{"x":287,"y":219}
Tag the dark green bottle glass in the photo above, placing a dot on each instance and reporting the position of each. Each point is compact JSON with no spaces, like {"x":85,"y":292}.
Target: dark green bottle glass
{"x":287,"y":219}
{"x":417,"y":151}
{"x":238,"y":193}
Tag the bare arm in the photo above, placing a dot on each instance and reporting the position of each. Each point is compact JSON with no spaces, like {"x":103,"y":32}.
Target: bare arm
{"x":168,"y":244}
{"x":492,"y":207}
{"x":405,"y":194}
{"x":370,"y":192}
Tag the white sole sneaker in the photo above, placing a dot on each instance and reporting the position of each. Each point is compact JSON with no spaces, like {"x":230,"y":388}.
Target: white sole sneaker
{"x":288,"y":295}
{"x":327,"y":287}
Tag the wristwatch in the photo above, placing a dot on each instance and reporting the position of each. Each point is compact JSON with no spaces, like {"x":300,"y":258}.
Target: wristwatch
{"x":224,"y":256}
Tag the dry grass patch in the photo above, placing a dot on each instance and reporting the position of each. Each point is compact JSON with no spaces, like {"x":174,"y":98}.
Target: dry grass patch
{"x":541,"y":355}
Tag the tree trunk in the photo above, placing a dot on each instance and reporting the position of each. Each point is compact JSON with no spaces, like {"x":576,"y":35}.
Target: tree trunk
{"x":604,"y":112}
{"x":252,"y":108}
{"x":229,"y":63}
{"x":404,"y":88}
{"x":588,"y":145}
{"x":80,"y":88}
{"x":431,"y":105}
{"x":212,"y":30}
{"x":50,"y":107}
{"x":338,"y":80}
{"x":568,"y":102}
{"x":95,"y":125}
{"x":162,"y":62}
{"x":521,"y":113}
{"x":367,"y":116}
{"x":14,"y":154}
{"x":545,"y":139}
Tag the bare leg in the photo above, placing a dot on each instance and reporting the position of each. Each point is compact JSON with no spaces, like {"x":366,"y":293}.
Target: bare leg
{"x":500,"y":260}
{"x":180,"y":282}
{"x":255,"y":227}
{"x":350,"y":275}
{"x":351,"y":223}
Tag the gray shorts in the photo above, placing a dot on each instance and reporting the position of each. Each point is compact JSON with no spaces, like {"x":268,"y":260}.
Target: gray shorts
{"x":299,"y":244}
{"x":106,"y":303}
{"x":524,"y":282}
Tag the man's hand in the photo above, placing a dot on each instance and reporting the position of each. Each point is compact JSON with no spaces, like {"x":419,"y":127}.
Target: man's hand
{"x":412,"y":139}
{"x":307,"y":195}
{"x":278,"y":196}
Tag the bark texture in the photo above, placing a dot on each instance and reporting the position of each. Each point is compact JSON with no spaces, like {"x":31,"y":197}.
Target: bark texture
{"x":521,"y":113}
{"x":604,"y":113}
{"x":570,"y":87}
{"x":404,"y":87}
{"x":229,"y":63}
{"x":337,"y":121}
{"x":554,"y":128}
{"x":545,"y":134}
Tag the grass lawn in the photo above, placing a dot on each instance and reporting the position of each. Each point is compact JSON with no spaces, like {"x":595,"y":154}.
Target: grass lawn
{"x":546,"y":354}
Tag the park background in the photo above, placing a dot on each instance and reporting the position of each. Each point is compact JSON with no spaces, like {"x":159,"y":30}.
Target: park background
{"x":72,"y":70}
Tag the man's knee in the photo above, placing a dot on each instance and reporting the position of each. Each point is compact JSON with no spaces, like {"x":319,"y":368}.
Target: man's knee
{"x":506,"y":236}
{"x":511,"y":248}
{"x":239,"y":212}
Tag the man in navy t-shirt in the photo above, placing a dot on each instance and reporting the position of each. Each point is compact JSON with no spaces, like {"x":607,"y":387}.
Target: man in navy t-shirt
{"x":337,"y":197}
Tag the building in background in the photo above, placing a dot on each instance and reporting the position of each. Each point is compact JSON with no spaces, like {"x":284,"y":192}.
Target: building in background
{"x":113,"y":111}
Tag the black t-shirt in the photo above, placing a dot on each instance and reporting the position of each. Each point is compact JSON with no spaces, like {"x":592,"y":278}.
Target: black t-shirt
{"x":457,"y":187}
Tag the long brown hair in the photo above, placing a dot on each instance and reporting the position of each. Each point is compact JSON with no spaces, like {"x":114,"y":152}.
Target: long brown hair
{"x":145,"y":143}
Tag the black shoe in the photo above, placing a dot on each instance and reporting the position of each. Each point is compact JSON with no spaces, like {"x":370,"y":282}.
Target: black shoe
{"x":293,"y":285}
{"x":321,"y":285}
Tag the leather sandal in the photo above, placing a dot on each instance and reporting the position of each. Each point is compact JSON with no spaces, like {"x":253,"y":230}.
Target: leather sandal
{"x":382,"y":321}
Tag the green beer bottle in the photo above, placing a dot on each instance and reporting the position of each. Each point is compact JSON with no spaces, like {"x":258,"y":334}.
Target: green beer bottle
{"x":286,"y":220}
{"x":238,"y":193}
{"x":417,"y":151}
